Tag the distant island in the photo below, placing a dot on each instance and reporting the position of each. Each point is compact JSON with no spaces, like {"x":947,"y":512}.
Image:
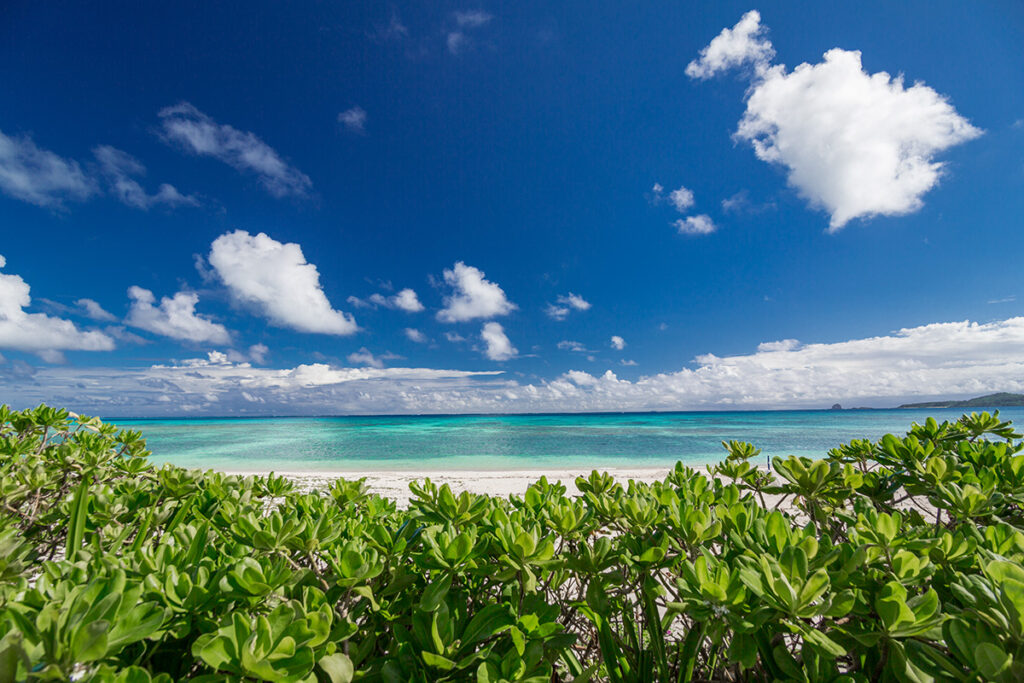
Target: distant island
{"x":1002,"y":399}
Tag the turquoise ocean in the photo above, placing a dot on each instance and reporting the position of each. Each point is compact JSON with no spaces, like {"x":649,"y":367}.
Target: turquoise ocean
{"x":510,"y":442}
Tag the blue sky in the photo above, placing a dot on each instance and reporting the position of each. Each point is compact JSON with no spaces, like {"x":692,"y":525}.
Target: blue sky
{"x":282,"y":173}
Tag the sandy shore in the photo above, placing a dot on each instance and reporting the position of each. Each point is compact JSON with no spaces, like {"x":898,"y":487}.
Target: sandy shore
{"x":395,"y":485}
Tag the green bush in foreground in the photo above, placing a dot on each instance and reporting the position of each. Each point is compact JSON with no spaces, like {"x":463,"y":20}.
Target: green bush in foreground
{"x":899,"y":561}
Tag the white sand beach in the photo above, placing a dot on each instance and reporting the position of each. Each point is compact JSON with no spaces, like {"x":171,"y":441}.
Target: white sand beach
{"x":395,"y":485}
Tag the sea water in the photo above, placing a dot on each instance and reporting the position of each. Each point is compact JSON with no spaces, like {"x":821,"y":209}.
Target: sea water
{"x":511,"y":442}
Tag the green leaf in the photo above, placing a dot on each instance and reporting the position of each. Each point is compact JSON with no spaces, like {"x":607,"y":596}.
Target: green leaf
{"x":991,"y":660}
{"x":338,"y":667}
{"x":487,"y":622}
{"x":437,"y":661}
{"x":90,"y":641}
{"x":76,"y":522}
{"x":435,"y":593}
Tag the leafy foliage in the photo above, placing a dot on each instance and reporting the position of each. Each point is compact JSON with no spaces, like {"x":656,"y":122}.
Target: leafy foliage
{"x":899,"y":560}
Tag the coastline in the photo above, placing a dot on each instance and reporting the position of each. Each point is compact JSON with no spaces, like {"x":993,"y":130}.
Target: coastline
{"x":395,"y":484}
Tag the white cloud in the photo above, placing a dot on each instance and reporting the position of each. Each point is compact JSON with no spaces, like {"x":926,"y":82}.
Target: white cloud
{"x":454,"y":338}
{"x":472,"y":18}
{"x":274,"y":279}
{"x":38,"y":333}
{"x":565,"y":304}
{"x":782,"y":345}
{"x":854,"y":144}
{"x":473,"y":296}
{"x":657,"y":189}
{"x":120,"y":168}
{"x":499,"y":347}
{"x":121,"y":333}
{"x":364,"y":357}
{"x":39,"y":176}
{"x":95,"y":311}
{"x":359,"y":303}
{"x":941,"y":360}
{"x":695,"y":225}
{"x":354,"y":119}
{"x":681,"y":199}
{"x":199,"y":134}
{"x":457,"y":40}
{"x":575,"y":301}
{"x":743,"y":44}
{"x":174,"y":317}
{"x":569,"y":345}
{"x":257,"y":353}
{"x":740,"y":203}
{"x":405,"y":300}
{"x":557,"y":312}
{"x":618,"y":342}
{"x":736,"y":202}
{"x":628,"y":363}
{"x":415,"y":335}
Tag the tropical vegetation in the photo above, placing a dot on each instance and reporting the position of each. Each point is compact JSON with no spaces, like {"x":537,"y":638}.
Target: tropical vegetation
{"x":895,"y":560}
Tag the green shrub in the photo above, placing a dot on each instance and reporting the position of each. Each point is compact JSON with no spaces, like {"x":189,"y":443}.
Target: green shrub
{"x":899,"y":560}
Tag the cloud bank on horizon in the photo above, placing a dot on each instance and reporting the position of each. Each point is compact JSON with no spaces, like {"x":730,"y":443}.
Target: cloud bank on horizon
{"x":937,"y":360}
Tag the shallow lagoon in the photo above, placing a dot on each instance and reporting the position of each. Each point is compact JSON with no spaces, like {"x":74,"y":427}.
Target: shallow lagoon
{"x":510,"y":442}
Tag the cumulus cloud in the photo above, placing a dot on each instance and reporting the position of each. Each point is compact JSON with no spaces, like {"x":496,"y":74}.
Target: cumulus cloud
{"x":564,"y":304}
{"x":617,"y":342}
{"x":681,"y":199}
{"x":405,"y":300}
{"x":174,"y":317}
{"x":274,"y":279}
{"x":743,"y":44}
{"x":472,"y":296}
{"x":354,"y":119}
{"x":38,"y":333}
{"x":120,"y":169}
{"x":695,"y":225}
{"x":39,"y":176}
{"x":93,"y":310}
{"x":415,"y":335}
{"x":195,"y":132}
{"x":499,"y":347}
{"x":940,"y":360}
{"x":854,"y":144}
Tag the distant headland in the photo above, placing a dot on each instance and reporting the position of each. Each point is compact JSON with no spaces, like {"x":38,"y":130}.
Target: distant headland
{"x":999,"y":400}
